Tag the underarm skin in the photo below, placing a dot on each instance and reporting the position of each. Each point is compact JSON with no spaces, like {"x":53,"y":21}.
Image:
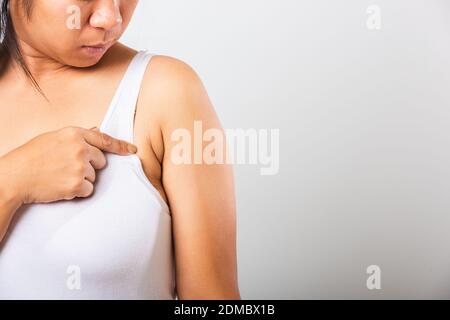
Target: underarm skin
{"x":8,"y":206}
{"x":9,"y":198}
{"x":6,"y":213}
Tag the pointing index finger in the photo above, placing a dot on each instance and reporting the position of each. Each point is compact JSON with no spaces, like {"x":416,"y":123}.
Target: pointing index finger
{"x":107,"y":143}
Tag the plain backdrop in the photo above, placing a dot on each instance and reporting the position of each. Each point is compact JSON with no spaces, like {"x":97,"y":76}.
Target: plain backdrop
{"x":364,"y":120}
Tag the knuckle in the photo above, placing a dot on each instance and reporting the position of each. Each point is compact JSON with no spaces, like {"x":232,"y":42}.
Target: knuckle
{"x":106,"y":139}
{"x":80,"y":151}
{"x":72,"y":132}
{"x":122,"y":146}
{"x":75,"y":186}
{"x":79,"y":170}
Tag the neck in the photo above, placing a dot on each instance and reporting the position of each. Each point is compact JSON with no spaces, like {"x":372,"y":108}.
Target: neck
{"x":41,"y":66}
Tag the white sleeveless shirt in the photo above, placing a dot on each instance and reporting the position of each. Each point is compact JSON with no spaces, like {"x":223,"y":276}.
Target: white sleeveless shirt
{"x":116,"y":244}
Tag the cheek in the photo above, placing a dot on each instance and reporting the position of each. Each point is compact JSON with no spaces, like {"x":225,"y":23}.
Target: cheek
{"x":56,"y":22}
{"x":57,"y":13}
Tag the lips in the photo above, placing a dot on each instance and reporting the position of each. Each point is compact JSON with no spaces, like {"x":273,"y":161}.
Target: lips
{"x":99,"y":45}
{"x":98,"y":48}
{"x":95,"y":50}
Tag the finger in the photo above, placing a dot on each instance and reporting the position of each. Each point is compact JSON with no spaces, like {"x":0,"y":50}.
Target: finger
{"x":96,"y":157}
{"x":90,"y":174}
{"x":107,"y":143}
{"x":86,"y":189}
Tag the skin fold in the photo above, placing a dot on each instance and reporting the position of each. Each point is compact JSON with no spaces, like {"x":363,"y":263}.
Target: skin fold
{"x":78,"y":83}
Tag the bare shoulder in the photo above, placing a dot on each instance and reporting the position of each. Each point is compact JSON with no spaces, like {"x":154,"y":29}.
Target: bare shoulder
{"x":174,"y":91}
{"x":171,"y":75}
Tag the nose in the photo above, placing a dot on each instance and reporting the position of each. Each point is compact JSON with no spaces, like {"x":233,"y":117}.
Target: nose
{"x":106,"y":14}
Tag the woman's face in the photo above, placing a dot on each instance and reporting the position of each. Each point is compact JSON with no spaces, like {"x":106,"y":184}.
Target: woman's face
{"x":72,"y":32}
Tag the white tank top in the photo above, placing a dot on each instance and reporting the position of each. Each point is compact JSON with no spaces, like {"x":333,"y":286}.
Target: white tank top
{"x":116,"y":244}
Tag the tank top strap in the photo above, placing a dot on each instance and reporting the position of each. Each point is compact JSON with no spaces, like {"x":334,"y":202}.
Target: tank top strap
{"x":119,"y":119}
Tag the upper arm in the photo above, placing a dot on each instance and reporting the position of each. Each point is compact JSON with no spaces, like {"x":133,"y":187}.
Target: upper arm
{"x":200,"y":195}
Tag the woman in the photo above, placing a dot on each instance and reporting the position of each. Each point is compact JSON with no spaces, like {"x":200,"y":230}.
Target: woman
{"x":92,"y":205}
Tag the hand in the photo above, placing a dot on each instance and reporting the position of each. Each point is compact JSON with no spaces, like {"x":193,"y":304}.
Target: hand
{"x":59,"y":165}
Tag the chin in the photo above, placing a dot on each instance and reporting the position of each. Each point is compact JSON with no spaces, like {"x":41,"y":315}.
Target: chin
{"x":83,"y":63}
{"x":83,"y":60}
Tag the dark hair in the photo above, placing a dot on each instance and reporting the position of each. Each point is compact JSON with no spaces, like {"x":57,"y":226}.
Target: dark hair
{"x":9,"y":48}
